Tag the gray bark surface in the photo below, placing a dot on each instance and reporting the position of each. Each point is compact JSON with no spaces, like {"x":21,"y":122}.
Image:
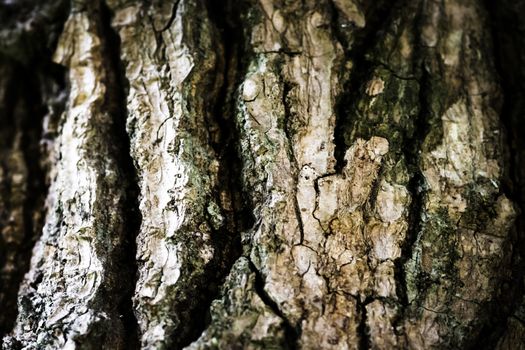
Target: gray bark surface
{"x":262,"y":174}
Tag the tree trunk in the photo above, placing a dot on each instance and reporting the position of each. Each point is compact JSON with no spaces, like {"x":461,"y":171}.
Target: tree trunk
{"x":262,"y":174}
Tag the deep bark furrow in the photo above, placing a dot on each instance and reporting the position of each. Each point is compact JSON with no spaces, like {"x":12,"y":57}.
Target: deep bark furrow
{"x":357,"y":44}
{"x":291,"y":332}
{"x":416,"y":185}
{"x":22,"y":182}
{"x":508,"y":33}
{"x":362,"y":329}
{"x":410,"y":149}
{"x":234,"y":200}
{"x":116,"y":102}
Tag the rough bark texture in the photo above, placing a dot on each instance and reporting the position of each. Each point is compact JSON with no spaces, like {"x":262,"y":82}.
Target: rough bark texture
{"x":262,"y":174}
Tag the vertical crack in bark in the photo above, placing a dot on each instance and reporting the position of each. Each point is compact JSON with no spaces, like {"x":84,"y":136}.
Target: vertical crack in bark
{"x":363,"y":329}
{"x":170,"y":20}
{"x":445,"y":248}
{"x":287,"y":87}
{"x":223,"y":136}
{"x":416,"y":185}
{"x":116,"y":99}
{"x":355,"y":54}
{"x":227,"y":145}
{"x":409,"y":150}
{"x":292,"y":333}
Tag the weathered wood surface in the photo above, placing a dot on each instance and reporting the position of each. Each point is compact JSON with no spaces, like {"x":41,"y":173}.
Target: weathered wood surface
{"x":262,"y":174}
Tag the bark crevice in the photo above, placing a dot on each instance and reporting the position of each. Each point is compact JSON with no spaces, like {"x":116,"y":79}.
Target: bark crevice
{"x":292,"y":333}
{"x":224,"y":140}
{"x":506,"y":34}
{"x":357,"y":69}
{"x":416,"y":187}
{"x":116,"y":100}
{"x":362,"y":329}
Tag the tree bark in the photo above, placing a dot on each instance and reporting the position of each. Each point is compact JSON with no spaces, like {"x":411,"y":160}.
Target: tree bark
{"x":262,"y":174}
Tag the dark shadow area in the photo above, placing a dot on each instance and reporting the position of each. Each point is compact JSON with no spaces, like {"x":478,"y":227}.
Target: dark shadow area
{"x":116,"y":103}
{"x":508,"y":36}
{"x":223,"y":137}
{"x":32,"y":89}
